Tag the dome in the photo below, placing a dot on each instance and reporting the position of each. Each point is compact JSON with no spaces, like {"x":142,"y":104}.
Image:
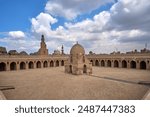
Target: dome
{"x":77,"y":49}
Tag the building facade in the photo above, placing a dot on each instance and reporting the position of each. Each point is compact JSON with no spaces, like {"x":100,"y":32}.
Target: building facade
{"x":131,"y":60}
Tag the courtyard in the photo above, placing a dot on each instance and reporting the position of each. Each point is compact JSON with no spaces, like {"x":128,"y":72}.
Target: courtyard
{"x":54,"y":83}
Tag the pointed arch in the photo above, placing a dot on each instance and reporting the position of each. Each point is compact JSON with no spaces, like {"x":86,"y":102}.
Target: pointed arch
{"x":22,"y":65}
{"x":96,"y":63}
{"x":142,"y":65}
{"x":38,"y":64}
{"x":2,"y":66}
{"x":45,"y":64}
{"x":102,"y":63}
{"x":13,"y":66}
{"x":62,"y":63}
{"x":124,"y":64}
{"x":116,"y":63}
{"x":57,"y":63}
{"x":31,"y":65}
{"x":133,"y":64}
{"x":51,"y":63}
{"x":108,"y":63}
{"x":92,"y":62}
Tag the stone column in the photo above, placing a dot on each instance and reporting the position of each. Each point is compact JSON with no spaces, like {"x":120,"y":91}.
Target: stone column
{"x":42,"y":62}
{"x":54,"y":63}
{"x":128,"y":64}
{"x":59,"y":63}
{"x":7,"y":66}
{"x":147,"y":65}
{"x":34,"y":65}
{"x":120,"y":64}
{"x":137,"y":65}
{"x":112,"y":64}
{"x":18,"y":65}
{"x":105,"y":62}
{"x":27,"y":67}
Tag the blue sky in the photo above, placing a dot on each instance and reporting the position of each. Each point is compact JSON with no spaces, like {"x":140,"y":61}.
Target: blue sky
{"x":100,"y":26}
{"x":15,"y":14}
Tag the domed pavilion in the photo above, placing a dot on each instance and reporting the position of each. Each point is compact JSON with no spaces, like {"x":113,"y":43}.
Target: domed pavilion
{"x":78,"y":63}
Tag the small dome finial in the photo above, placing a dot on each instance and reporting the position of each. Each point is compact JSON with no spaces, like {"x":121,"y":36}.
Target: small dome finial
{"x":42,"y":38}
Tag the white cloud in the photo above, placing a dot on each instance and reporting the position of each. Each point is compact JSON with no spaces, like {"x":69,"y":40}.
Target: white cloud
{"x":125,"y":27}
{"x":129,"y":14}
{"x":16,"y":34}
{"x":70,"y":9}
{"x":42,"y":23}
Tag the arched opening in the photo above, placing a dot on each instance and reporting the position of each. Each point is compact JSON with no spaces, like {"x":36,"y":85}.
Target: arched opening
{"x":96,"y":63}
{"x":102,"y":63}
{"x":116,"y":64}
{"x":84,"y":69}
{"x":124,"y":64}
{"x":45,"y":64}
{"x":142,"y":65}
{"x":92,"y":62}
{"x":133,"y":64}
{"x":70,"y":67}
{"x":13,"y":66}
{"x":22,"y":65}
{"x":62,"y":63}
{"x":2,"y":66}
{"x":51,"y":64}
{"x":38,"y":64}
{"x":57,"y":63}
{"x":108,"y":63}
{"x":31,"y":65}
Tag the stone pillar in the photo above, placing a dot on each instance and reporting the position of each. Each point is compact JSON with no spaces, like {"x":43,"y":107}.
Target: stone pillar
{"x":18,"y":65}
{"x":112,"y":63}
{"x":105,"y":62}
{"x":7,"y":66}
{"x":93,"y":62}
{"x":42,"y":62}
{"x":128,"y":64}
{"x":137,"y":65}
{"x":120,"y":64}
{"x":59,"y":63}
{"x":54,"y":63}
{"x":147,"y":65}
{"x":34,"y":65}
{"x":27,"y":67}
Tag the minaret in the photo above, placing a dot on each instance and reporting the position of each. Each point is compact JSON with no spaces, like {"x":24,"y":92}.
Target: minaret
{"x":43,"y":49}
{"x":62,"y":49}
